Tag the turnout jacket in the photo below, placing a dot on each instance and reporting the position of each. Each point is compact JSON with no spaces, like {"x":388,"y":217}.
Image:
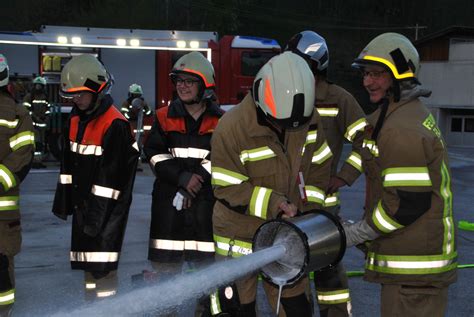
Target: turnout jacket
{"x":343,"y":119}
{"x":254,"y":170}
{"x":132,"y":114}
{"x":95,"y":185}
{"x":16,"y":152}
{"x":38,"y":107}
{"x":409,"y":198}
{"x":177,"y":147}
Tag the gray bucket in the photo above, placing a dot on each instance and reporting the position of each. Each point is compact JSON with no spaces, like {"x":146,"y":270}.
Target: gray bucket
{"x":313,"y":241}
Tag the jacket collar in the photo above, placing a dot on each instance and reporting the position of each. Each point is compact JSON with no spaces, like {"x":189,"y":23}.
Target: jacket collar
{"x":104,"y":104}
{"x":178,"y":110}
{"x":322,"y":89}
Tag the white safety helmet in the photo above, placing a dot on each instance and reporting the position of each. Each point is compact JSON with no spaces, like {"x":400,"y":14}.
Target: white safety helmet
{"x":284,"y":90}
{"x":84,"y":73}
{"x":134,"y":90}
{"x":39,"y":80}
{"x":312,"y":47}
{"x":4,"y":71}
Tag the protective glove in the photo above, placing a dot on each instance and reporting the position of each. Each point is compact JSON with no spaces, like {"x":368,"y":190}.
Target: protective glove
{"x":178,"y":201}
{"x":357,"y":233}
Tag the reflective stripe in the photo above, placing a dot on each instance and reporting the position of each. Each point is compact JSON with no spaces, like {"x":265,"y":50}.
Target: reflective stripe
{"x":332,"y":200}
{"x":65,"y":179}
{"x":411,"y":264}
{"x":257,"y":154}
{"x":40,"y":101}
{"x":84,"y":149}
{"x":406,"y":176}
{"x":201,"y":246}
{"x":223,"y":177}
{"x":135,"y":146}
{"x":383,"y":221}
{"x":356,"y":161}
{"x":259,"y":202}
{"x":147,"y":127}
{"x":9,"y":203}
{"x":354,"y":128}
{"x":328,"y":112}
{"x":206,"y":164}
{"x":215,"y":303}
{"x":22,"y":139}
{"x":445,"y":191}
{"x":321,"y":155}
{"x":189,"y":152}
{"x":239,"y":248}
{"x":314,"y":194}
{"x":6,"y":178}
{"x":94,"y":256}
{"x":373,"y":148}
{"x":27,"y":104}
{"x":159,"y":158}
{"x":8,"y":124}
{"x":124,"y":109}
{"x":105,"y":192}
{"x":161,"y":244}
{"x":41,"y":125}
{"x":91,"y":285}
{"x":333,"y":297}
{"x":102,"y":294}
{"x":310,"y":138}
{"x":8,"y":297}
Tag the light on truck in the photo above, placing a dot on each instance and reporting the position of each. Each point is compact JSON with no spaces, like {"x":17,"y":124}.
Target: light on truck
{"x":181,"y":44}
{"x":62,"y":39}
{"x":134,"y":42}
{"x":76,"y":40}
{"x":194,"y":44}
{"x":121,"y":42}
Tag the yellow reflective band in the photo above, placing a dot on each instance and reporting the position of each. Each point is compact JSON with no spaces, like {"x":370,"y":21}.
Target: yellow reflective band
{"x":103,"y":257}
{"x":21,"y":139}
{"x":160,"y":158}
{"x":224,"y":177}
{"x":391,"y":66}
{"x":321,"y":155}
{"x":310,"y":138}
{"x":333,"y":297}
{"x":105,"y":192}
{"x":85,"y":149}
{"x":239,"y":248}
{"x":371,"y":146}
{"x":8,"y":124}
{"x":355,"y":127}
{"x":162,"y":244}
{"x":259,"y":202}
{"x":411,"y":264}
{"x":215,"y":304}
{"x":355,"y":160}
{"x":331,"y":200}
{"x":201,"y":246}
{"x":383,"y":221}
{"x":9,"y":203}
{"x":6,"y":178}
{"x":7,"y":298}
{"x":257,"y":154}
{"x":406,"y":176}
{"x":314,"y":194}
{"x":328,"y":112}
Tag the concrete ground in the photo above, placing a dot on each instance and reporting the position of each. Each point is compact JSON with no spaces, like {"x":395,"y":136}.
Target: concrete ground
{"x":46,"y":284}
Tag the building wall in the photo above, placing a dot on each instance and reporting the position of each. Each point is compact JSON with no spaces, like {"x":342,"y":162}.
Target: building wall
{"x":128,"y":67}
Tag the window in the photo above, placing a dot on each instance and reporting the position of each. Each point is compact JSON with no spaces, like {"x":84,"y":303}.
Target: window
{"x":469,"y":125}
{"x":456,"y":125}
{"x":253,"y":61}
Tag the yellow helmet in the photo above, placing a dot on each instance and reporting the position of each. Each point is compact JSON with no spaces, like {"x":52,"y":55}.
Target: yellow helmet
{"x":84,"y":73}
{"x":395,"y":52}
{"x":196,"y":64}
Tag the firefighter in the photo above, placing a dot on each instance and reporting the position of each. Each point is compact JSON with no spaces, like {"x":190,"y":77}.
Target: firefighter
{"x":16,"y":153}
{"x":131,"y":110}
{"x":39,"y":108}
{"x":269,"y":158}
{"x":96,"y":176}
{"x":178,"y":149}
{"x":343,"y":120}
{"x":408,"y":212}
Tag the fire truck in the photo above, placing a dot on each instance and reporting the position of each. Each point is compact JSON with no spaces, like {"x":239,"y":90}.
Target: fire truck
{"x":145,"y":57}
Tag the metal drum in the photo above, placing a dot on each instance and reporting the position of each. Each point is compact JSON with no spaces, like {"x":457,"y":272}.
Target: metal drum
{"x":313,"y":241}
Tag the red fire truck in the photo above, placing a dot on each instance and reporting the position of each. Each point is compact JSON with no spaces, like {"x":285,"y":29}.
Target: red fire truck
{"x":132,"y":56}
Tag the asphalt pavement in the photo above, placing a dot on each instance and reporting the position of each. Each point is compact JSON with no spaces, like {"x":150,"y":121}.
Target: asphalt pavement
{"x":46,"y":285}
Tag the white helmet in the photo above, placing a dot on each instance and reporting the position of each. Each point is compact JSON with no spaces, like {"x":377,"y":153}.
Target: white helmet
{"x":4,"y":72}
{"x":312,"y":47}
{"x":39,"y":80}
{"x":284,"y":90}
{"x":135,"y":89}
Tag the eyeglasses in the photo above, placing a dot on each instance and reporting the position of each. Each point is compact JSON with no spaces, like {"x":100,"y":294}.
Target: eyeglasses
{"x":71,"y":96}
{"x":185,"y":82}
{"x":374,"y":74}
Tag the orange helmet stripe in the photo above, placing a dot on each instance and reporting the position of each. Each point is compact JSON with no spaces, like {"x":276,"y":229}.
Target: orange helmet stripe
{"x":206,"y":83}
{"x":84,"y":88}
{"x":269,"y":100}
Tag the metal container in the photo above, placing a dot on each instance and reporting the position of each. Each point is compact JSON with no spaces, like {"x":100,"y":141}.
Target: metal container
{"x":313,"y":241}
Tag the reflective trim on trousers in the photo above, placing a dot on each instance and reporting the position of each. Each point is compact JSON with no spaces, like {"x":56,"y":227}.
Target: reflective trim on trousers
{"x":105,"y":192}
{"x":65,"y":179}
{"x":104,"y":257}
{"x":333,"y":297}
{"x":7,"y":298}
